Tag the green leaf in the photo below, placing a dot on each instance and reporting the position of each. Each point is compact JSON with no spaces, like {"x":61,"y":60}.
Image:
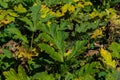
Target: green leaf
{"x":69,"y":76}
{"x":44,"y":36}
{"x":89,"y":68}
{"x":28,"y":22}
{"x":4,"y":4}
{"x":87,"y":77}
{"x":12,"y":74}
{"x":102,"y":73}
{"x":49,"y":50}
{"x":43,"y":76}
{"x":64,"y":25}
{"x":7,"y":53}
{"x":77,"y":49}
{"x":113,"y":75}
{"x":17,"y":34}
{"x":35,"y":15}
{"x":21,"y":73}
{"x":84,"y":26}
{"x":115,"y":48}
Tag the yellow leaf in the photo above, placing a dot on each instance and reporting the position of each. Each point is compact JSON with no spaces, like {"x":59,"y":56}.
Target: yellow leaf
{"x":5,"y":21}
{"x":97,"y":32}
{"x":106,"y":55}
{"x":23,"y":53}
{"x":80,"y":5}
{"x":59,"y":14}
{"x":45,"y":11}
{"x":43,"y":16}
{"x":87,"y":3}
{"x":48,"y":23}
{"x":71,"y":8}
{"x":20,"y":9}
{"x":94,"y":14}
{"x":107,"y":58}
{"x":65,"y":8}
{"x":75,"y":0}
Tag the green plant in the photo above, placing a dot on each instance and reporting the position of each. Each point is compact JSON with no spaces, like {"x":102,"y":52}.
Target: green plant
{"x":12,"y":74}
{"x":62,"y":39}
{"x":114,"y":47}
{"x":21,"y":75}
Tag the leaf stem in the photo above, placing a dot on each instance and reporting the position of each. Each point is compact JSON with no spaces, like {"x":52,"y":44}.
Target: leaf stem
{"x":31,"y":44}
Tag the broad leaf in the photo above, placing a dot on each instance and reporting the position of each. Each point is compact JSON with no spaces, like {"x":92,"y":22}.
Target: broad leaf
{"x":17,"y":34}
{"x":7,"y":53}
{"x":13,"y":75}
{"x":43,"y":76}
{"x":52,"y":53}
{"x":115,"y":47}
{"x":76,"y":49}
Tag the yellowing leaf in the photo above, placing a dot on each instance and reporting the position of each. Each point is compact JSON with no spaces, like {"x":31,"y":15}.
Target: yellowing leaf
{"x":1,"y":17}
{"x":68,"y":52}
{"x":10,"y":18}
{"x":12,"y":13}
{"x":97,"y":32}
{"x":118,"y":69}
{"x":68,"y":7}
{"x":80,"y":5}
{"x":23,"y":53}
{"x":107,"y":58}
{"x":115,"y":19}
{"x":71,"y":8}
{"x":94,"y":14}
{"x":20,"y":9}
{"x":35,"y":4}
{"x":48,"y":23}
{"x":59,"y":14}
{"x":87,"y":3}
{"x":45,"y":11}
{"x":75,"y":0}
{"x":65,"y":8}
{"x":110,"y":11}
{"x":43,"y":16}
{"x":5,"y":21}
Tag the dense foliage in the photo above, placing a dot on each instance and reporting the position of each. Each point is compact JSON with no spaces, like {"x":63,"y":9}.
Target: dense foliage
{"x":59,"y":40}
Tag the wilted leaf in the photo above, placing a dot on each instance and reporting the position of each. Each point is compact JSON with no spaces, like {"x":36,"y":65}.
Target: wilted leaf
{"x":23,"y":53}
{"x":91,"y":53}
